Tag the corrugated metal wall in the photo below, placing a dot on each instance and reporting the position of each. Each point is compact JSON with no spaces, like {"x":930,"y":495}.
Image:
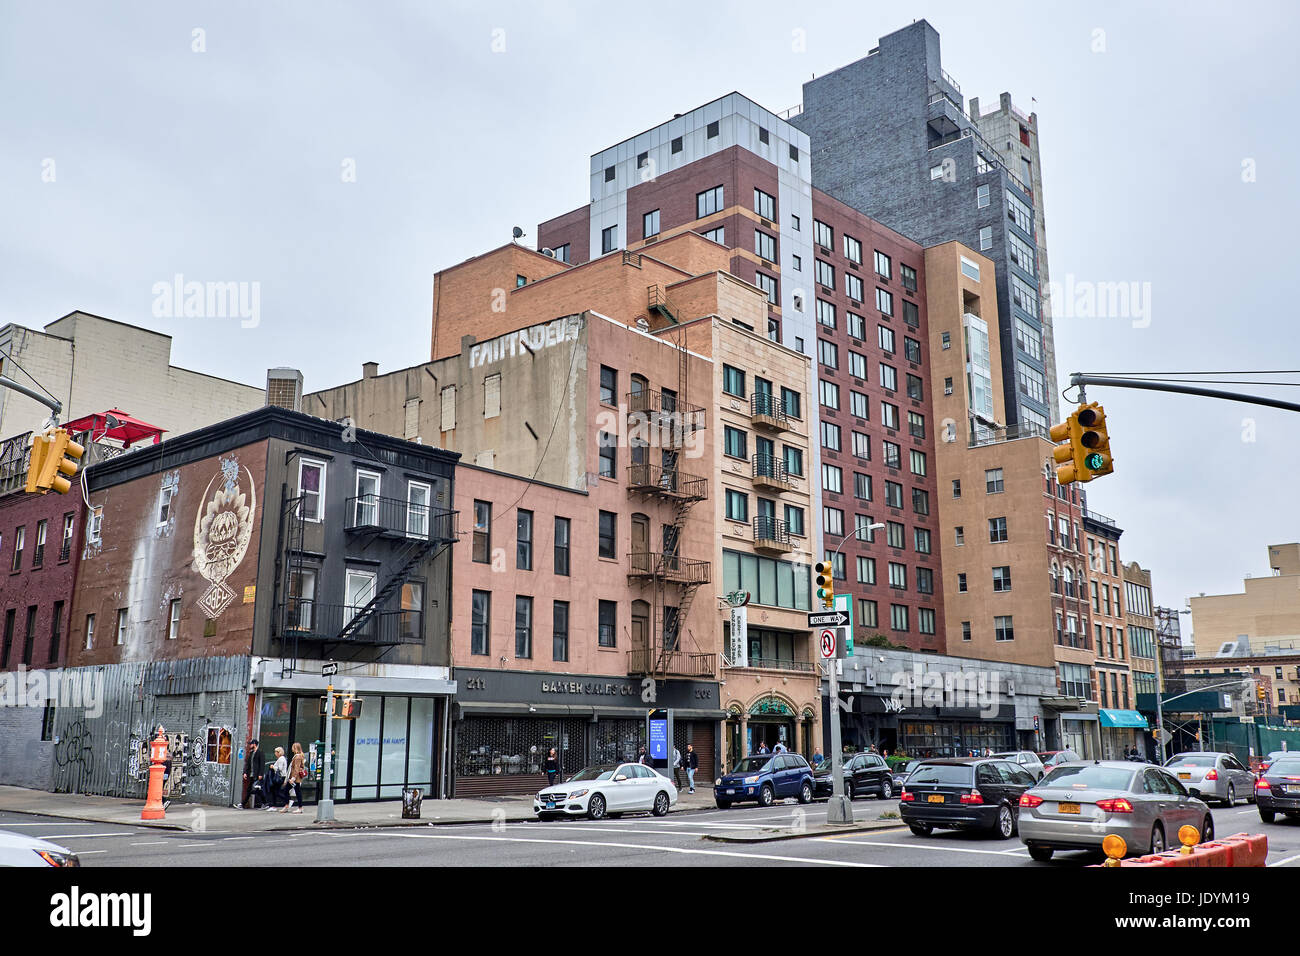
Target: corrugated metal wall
{"x":99,"y":750}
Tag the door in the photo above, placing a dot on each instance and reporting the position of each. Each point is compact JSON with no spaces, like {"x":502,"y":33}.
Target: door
{"x":1241,"y":777}
{"x":640,"y":624}
{"x":360,"y":591}
{"x":1156,"y":801}
{"x":367,"y":512}
{"x":641,"y":543}
{"x":417,"y":510}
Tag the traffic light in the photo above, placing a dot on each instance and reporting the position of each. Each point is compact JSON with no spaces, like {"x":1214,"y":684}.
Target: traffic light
{"x":36,"y":462}
{"x":826,"y":583}
{"x":54,"y":461}
{"x":350,"y":708}
{"x":1083,"y":445}
{"x":1259,"y":692}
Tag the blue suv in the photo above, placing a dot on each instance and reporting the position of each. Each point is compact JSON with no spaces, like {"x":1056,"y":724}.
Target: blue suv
{"x":765,"y":778}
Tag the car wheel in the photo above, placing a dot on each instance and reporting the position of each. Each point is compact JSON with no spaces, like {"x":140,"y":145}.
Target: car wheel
{"x":1157,"y":839}
{"x":1040,"y":853}
{"x":766,"y":795}
{"x":805,"y":793}
{"x":848,"y":788}
{"x":1268,"y":816}
{"x":1207,"y":829}
{"x":723,"y":804}
{"x":1232,"y":796}
{"x":661,"y":804}
{"x":921,"y":829}
{"x":596,"y":807}
{"x":1006,"y":825}
{"x":886,"y":790}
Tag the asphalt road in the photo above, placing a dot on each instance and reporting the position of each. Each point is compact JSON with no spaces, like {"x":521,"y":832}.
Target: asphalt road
{"x":674,"y":840}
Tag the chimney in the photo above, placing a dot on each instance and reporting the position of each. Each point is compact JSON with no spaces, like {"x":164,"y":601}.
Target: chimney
{"x":369,"y":369}
{"x":284,"y":388}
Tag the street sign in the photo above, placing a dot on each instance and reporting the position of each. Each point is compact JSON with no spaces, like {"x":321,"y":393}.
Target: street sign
{"x":330,"y":669}
{"x":829,"y":619}
{"x":1164,"y":736}
{"x":828,"y":643}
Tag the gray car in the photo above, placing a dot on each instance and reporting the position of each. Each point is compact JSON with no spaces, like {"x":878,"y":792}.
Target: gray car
{"x":1078,"y":804}
{"x":1026,"y":760}
{"x":1219,"y":776}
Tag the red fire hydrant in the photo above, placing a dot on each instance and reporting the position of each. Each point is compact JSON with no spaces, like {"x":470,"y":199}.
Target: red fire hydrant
{"x":153,"y":807}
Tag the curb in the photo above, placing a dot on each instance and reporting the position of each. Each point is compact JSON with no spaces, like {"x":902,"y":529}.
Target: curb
{"x":773,"y":836}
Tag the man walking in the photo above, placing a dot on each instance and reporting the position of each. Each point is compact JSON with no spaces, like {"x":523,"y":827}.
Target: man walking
{"x":677,"y":768}
{"x":692,"y":765}
{"x":254,"y":768}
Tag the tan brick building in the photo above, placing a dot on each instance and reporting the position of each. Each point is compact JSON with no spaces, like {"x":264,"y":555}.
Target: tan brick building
{"x":1267,"y":612}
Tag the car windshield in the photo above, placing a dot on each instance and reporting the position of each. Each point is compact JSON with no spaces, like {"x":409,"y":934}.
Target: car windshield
{"x":599,"y":772}
{"x":1192,"y":760}
{"x":1010,"y":756}
{"x":752,"y":764}
{"x":939,"y":773}
{"x":1285,"y":767}
{"x":1089,"y":777}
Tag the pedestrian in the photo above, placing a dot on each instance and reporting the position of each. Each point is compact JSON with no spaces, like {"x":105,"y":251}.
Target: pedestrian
{"x":279,"y":774}
{"x":293,"y":785}
{"x":780,"y":747}
{"x":552,"y":768}
{"x":762,"y":747}
{"x":677,"y":768}
{"x":643,"y":757}
{"x":692,"y":765}
{"x":254,"y":768}
{"x":818,"y":758}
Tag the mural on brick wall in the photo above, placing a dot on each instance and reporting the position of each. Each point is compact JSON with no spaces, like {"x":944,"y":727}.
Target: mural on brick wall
{"x":223,"y":527}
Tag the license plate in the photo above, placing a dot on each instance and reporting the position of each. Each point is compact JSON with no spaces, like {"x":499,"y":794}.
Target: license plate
{"x":1067,"y":808}
{"x":935,"y":798}
{"x":1184,"y":776}
{"x":1291,"y":788}
{"x":550,"y":804}
{"x":731,"y":791}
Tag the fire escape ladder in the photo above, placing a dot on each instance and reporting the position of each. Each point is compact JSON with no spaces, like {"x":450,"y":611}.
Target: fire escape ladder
{"x":417,"y":550}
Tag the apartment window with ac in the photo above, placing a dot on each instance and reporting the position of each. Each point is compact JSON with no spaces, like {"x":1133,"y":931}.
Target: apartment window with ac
{"x":993,"y":481}
{"x":482,"y":552}
{"x":1003,"y":629}
{"x":853,"y":287}
{"x":829,"y":393}
{"x":606,"y":624}
{"x":765,"y":245}
{"x":832,"y":479}
{"x":769,"y":285}
{"x":859,"y":405}
{"x":831,"y":436}
{"x":884,"y":267}
{"x":708,"y":202}
{"x":823,"y":236}
{"x":824,"y":273}
{"x":608,"y":239}
{"x":885,"y":301}
{"x":982,"y":196}
{"x":997,"y":529}
{"x":765,"y":206}
{"x":861,"y":486}
{"x":825,"y":313}
{"x":986,"y":238}
{"x":650,"y":224}
{"x":606,"y":544}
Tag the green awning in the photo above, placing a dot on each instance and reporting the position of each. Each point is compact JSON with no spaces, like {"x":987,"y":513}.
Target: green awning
{"x":1122,"y":718}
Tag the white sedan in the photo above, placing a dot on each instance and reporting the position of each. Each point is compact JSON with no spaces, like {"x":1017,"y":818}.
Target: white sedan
{"x":610,"y":789}
{"x":19,"y":850}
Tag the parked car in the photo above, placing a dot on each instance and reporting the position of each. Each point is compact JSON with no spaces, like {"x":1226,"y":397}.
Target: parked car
{"x":1275,"y":756}
{"x":607,"y":790}
{"x":16,"y":849}
{"x":973,"y":794}
{"x":864,"y":774}
{"x":1278,"y":789}
{"x":1027,"y":760}
{"x":765,"y":778}
{"x":1054,"y":758}
{"x":1219,"y":776}
{"x":1077,"y":805}
{"x":901,"y":770}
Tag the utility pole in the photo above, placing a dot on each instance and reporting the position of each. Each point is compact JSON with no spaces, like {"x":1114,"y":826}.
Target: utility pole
{"x":325,"y":804}
{"x":838,"y":810}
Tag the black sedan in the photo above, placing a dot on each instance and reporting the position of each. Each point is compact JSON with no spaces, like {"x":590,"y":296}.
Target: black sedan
{"x":864,"y":774}
{"x":964,"y":795}
{"x":1278,"y":790}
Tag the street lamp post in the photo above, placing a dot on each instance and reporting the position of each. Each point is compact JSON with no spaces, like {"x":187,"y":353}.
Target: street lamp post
{"x":839,"y":809}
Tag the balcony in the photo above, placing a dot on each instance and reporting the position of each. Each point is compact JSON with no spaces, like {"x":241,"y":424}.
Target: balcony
{"x":311,"y":621}
{"x":771,"y":534}
{"x":944,"y":119}
{"x":669,"y":567}
{"x":774,"y":664}
{"x":766,"y":411}
{"x":666,"y":482}
{"x":770,"y":472}
{"x":398,"y":518}
{"x":656,"y":662}
{"x":660,"y":419}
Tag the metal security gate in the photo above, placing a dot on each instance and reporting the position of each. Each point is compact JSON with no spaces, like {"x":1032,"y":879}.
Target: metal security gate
{"x":507,"y":755}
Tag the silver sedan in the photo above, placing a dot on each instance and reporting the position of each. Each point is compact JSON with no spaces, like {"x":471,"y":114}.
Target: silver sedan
{"x":1077,"y":805}
{"x":1219,"y":776}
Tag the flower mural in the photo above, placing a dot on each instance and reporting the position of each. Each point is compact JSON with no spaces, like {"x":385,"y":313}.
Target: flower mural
{"x":223,"y":528}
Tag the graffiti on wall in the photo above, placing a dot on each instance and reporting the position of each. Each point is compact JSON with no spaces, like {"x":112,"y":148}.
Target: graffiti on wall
{"x":223,"y":527}
{"x":75,"y":754}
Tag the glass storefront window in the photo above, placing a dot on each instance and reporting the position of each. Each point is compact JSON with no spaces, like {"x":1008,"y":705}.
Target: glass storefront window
{"x":419,"y":767}
{"x":365,"y":753}
{"x":393,"y":747}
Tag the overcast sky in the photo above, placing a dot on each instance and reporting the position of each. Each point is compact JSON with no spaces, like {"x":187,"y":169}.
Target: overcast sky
{"x":128,"y":157}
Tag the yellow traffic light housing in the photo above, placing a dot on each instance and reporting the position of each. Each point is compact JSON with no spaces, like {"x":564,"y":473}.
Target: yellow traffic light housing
{"x":826,"y":583}
{"x":62,"y":459}
{"x":1259,"y":691}
{"x":1083,"y":445}
{"x":36,"y":463}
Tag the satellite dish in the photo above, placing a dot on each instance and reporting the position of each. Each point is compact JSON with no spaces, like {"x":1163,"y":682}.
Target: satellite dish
{"x":518,"y":233}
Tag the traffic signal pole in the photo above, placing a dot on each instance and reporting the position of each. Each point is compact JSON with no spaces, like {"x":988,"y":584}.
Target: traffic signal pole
{"x":54,"y":405}
{"x":1082,"y":379}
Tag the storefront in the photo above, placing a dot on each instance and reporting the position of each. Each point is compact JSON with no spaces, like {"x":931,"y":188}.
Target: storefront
{"x":398,"y":741}
{"x":887,"y":724}
{"x":506,"y":722}
{"x":1120,"y":731}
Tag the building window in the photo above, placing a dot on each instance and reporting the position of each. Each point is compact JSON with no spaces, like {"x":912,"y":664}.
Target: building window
{"x":862,"y":446}
{"x":794,"y":519}
{"x":822,"y":235}
{"x":790,"y":401}
{"x":868,"y":614}
{"x":608,"y":452}
{"x":90,"y":632}
{"x":831,"y":436}
{"x":888,"y":378}
{"x":448,"y":411}
{"x":993,"y":481}
{"x":676,"y":146}
{"x":1002,"y":578}
{"x":920,"y":501}
{"x":853,"y":287}
{"x":859,"y":406}
{"x":733,"y":381}
{"x":649,"y":227}
{"x":885,"y":338}
{"x":523,"y":627}
{"x":885,"y":301}
{"x":764,"y":245}
{"x":708,"y":202}
{"x":832,"y":521}
{"x":959,"y":535}
{"x":826,"y":313}
{"x":922,"y":543}
{"x":311,"y":487}
{"x":480,"y":622}
{"x":562,"y":546}
{"x":609,"y":174}
{"x":1002,"y":628}
{"x":174,"y":620}
{"x":794,"y":153}
{"x":866,"y":570}
{"x":918,"y":463}
{"x":986,"y":238}
{"x":608,"y":239}
{"x":884,"y":267}
{"x":560,"y":631}
{"x":607,"y":619}
{"x":735,"y":442}
{"x":897,"y":576}
{"x":608,"y":385}
{"x":961,"y":583}
{"x":892,"y":454}
{"x":411,"y":619}
{"x":924,"y":581}
{"x":916,"y":424}
{"x":893,"y":494}
{"x":965,"y":630}
{"x":828,"y":354}
{"x":925,"y":620}
{"x":982,"y":197}
{"x":769,"y":285}
{"x":765,"y":205}
{"x":737,"y":505}
{"x":894,"y":532}
{"x":762,"y":136}
{"x":824,"y":273}
{"x":20,"y":537}
{"x":520,"y":281}
{"x":121,"y":626}
{"x":711,"y":131}
{"x":997,"y":529}
{"x":970,"y":269}
{"x":898,"y":617}
{"x":793,"y":460}
{"x":562,"y":252}
{"x":524,"y":540}
{"x":607,"y":537}
{"x":482,"y":532}
{"x":832,"y":479}
{"x":829,"y":393}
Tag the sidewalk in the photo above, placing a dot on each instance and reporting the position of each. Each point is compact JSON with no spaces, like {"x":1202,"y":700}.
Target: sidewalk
{"x":203,"y":818}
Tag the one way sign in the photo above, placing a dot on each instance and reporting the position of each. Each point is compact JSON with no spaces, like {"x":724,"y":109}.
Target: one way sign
{"x":829,"y":619}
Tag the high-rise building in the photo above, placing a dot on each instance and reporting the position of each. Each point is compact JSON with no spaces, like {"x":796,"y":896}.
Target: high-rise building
{"x":890,"y":137}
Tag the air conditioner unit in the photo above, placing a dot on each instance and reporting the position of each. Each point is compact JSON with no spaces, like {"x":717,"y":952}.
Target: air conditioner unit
{"x":547,"y":251}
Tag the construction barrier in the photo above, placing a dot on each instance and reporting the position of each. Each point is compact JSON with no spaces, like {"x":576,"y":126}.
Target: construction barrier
{"x":1241,"y":849}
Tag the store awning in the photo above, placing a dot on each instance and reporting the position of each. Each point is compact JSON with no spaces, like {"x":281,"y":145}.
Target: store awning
{"x":1122,"y":718}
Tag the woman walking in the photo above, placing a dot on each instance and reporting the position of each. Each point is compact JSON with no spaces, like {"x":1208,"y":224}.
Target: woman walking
{"x":297,"y":771}
{"x":552,"y":768}
{"x":279,"y":779}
